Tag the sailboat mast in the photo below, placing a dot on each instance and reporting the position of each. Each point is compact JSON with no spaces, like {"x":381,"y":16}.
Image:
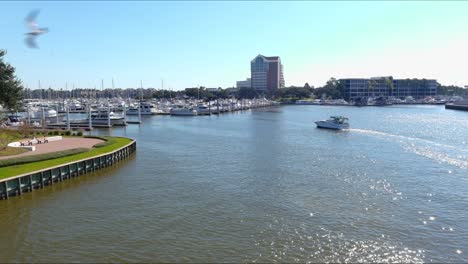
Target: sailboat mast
{"x":162,"y":88}
{"x":113,"y":88}
{"x":141,"y":89}
{"x":40,"y":90}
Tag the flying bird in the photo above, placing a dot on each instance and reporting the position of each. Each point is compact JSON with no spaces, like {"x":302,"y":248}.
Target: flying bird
{"x":34,"y":29}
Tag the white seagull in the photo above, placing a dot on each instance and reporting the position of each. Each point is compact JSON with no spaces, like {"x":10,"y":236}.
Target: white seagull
{"x":35,"y":30}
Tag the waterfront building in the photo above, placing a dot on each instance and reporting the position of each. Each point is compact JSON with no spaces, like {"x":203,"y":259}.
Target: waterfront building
{"x":267,"y":73}
{"x":244,"y":84}
{"x":356,"y":88}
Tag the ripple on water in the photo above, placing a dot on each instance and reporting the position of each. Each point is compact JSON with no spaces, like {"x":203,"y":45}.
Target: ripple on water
{"x":442,"y":153}
{"x":323,"y":245}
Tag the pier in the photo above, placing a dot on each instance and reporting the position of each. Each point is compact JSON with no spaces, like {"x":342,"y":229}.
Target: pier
{"x":461,"y":105}
{"x":28,"y":182}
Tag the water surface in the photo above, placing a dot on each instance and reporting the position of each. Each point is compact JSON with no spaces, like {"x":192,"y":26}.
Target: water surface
{"x":264,"y":186}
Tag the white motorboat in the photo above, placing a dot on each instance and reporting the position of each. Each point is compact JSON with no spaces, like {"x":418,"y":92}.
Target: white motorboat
{"x":14,"y":121}
{"x":105,"y":117}
{"x":145,"y":109}
{"x":76,"y":107}
{"x":203,"y":109}
{"x":183,"y":111}
{"x":334,"y":122}
{"x":41,"y":113}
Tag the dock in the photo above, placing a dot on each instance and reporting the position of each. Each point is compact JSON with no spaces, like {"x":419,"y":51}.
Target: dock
{"x":461,"y":105}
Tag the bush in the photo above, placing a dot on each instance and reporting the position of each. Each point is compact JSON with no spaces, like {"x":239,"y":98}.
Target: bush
{"x":25,"y":131}
{"x":80,"y":133}
{"x":106,"y":142}
{"x":68,"y":133}
{"x":7,"y":136}
{"x":56,"y":133}
{"x":96,"y":137}
{"x":41,"y":157}
{"x":50,"y":133}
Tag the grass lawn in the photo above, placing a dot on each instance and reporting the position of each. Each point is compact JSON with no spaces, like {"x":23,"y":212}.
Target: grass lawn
{"x":12,"y":151}
{"x":10,"y":171}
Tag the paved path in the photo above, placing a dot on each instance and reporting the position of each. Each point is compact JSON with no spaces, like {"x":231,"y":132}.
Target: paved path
{"x":53,"y":146}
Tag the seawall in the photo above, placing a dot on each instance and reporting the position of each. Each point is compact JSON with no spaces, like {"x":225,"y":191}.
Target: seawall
{"x":457,"y":107}
{"x":28,"y":182}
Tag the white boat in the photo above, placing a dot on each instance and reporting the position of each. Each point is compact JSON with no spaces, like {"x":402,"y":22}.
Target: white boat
{"x":42,"y":113}
{"x":76,"y":107}
{"x":14,"y":121}
{"x":334,"y":122}
{"x":308,"y":102}
{"x":145,"y":109}
{"x":104,"y":117}
{"x":183,"y":111}
{"x":203,"y":109}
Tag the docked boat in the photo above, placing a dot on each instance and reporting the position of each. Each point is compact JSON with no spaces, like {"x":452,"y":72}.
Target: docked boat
{"x":183,"y":111}
{"x":203,"y":109}
{"x":76,"y":107}
{"x":105,"y":117}
{"x":14,"y":121}
{"x":42,"y":113}
{"x":334,"y":122}
{"x":145,"y":109}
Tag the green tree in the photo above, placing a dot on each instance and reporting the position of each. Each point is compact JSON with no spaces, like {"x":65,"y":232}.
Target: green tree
{"x":333,"y":89}
{"x":295,"y":92}
{"x":371,"y":85}
{"x":389,"y":84}
{"x":246,"y":93}
{"x":191,"y":92}
{"x":6,"y":137}
{"x":10,"y":86}
{"x":222,"y":93}
{"x":452,"y":90}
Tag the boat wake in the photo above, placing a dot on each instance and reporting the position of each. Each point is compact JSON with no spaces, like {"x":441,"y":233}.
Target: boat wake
{"x":439,"y":152}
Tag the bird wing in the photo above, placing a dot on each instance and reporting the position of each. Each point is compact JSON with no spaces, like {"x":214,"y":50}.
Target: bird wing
{"x":31,"y":42}
{"x":31,"y":19}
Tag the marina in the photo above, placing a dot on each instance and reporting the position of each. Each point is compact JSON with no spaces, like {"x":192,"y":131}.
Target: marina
{"x":108,"y":113}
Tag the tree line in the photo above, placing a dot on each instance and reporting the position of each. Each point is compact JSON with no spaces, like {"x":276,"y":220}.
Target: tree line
{"x":12,"y":91}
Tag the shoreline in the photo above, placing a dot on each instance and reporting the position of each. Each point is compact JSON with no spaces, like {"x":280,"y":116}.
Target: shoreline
{"x":356,"y":105}
{"x":26,"y":182}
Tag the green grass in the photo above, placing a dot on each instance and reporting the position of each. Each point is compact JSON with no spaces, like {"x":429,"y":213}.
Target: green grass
{"x":107,"y":141}
{"x":41,"y":157}
{"x":9,"y":151}
{"x":10,"y":171}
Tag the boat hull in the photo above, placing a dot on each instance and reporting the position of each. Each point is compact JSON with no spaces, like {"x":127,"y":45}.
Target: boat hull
{"x":141,"y":113}
{"x":329,"y":125}
{"x":184,"y":112}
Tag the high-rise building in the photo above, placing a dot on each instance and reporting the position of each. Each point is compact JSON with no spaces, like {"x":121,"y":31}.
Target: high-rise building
{"x":266,"y":73}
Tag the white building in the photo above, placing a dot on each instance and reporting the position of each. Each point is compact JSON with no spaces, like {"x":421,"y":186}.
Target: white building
{"x":244,"y":84}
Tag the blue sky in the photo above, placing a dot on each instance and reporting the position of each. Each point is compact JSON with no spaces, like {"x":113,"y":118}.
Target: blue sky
{"x":211,"y":43}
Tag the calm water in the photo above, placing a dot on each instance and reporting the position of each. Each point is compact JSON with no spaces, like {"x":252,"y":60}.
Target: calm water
{"x":261,"y":186}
